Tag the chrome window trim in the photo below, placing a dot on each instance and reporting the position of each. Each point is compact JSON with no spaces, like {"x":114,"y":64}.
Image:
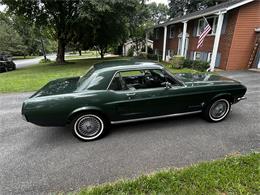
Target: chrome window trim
{"x":155,"y":117}
{"x":162,"y":69}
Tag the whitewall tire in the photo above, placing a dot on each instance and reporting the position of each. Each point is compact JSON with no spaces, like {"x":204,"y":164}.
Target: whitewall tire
{"x":88,"y":127}
{"x":217,"y":110}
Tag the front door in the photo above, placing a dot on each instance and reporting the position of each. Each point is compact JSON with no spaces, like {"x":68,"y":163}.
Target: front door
{"x":186,"y":45}
{"x":138,"y":94}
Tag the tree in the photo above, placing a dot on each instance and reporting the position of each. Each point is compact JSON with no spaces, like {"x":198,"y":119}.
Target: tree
{"x":10,"y":41}
{"x":158,"y":13}
{"x":145,"y":16}
{"x":177,"y":7}
{"x":106,"y":23}
{"x":59,"y":16}
{"x":20,"y":37}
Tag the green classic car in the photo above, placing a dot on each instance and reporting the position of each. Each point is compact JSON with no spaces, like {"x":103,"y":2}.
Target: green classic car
{"x":124,"y":91}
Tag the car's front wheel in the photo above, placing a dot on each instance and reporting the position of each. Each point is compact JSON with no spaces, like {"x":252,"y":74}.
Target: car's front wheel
{"x":217,"y":110}
{"x":88,"y":127}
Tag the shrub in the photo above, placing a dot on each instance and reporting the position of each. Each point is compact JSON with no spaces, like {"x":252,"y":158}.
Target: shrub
{"x":154,"y":57}
{"x":177,"y":61}
{"x":130,"y":52}
{"x":142,"y":55}
{"x":187,"y":63}
{"x":200,"y":65}
{"x":42,"y":61}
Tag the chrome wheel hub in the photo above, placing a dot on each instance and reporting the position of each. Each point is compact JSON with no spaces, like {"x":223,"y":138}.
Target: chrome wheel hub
{"x":88,"y":126}
{"x":219,"y":109}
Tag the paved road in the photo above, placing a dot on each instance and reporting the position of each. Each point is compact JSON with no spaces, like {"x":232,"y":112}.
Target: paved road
{"x":28,"y":62}
{"x":35,"y":160}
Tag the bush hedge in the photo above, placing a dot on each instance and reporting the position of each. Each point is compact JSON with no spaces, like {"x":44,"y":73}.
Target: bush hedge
{"x":154,"y":57}
{"x":180,"y":62}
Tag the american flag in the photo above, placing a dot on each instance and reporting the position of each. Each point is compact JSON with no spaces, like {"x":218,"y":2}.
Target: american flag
{"x":204,"y":33}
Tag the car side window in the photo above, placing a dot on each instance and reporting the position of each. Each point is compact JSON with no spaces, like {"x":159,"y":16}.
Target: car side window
{"x":138,"y":79}
{"x":116,"y":84}
{"x":171,"y":79}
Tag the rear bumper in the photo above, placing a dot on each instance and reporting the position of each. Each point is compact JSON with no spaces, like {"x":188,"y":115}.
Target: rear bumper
{"x":24,"y":118}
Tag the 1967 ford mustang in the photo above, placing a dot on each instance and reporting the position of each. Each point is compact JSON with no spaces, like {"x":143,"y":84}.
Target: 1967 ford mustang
{"x":125,"y":91}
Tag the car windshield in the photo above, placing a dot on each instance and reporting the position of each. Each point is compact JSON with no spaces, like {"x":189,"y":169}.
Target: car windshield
{"x":85,"y":77}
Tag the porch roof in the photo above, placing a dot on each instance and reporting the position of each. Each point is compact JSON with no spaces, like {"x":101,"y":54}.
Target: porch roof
{"x":222,"y":7}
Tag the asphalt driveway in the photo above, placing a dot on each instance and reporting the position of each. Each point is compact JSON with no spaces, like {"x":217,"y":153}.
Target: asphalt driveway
{"x":35,"y":160}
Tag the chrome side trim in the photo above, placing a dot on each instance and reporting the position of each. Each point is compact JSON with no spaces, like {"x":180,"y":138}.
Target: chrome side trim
{"x":155,"y":117}
{"x":241,"y":98}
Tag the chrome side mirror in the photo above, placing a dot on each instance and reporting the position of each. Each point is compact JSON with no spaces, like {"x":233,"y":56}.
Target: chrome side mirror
{"x":168,"y":85}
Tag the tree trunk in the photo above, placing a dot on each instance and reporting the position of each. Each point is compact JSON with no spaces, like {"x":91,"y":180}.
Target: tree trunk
{"x":61,"y":51}
{"x":102,"y":53}
{"x":80,"y":52}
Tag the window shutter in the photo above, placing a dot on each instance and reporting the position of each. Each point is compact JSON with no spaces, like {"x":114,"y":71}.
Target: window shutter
{"x":191,"y":55}
{"x":224,"y":27}
{"x":203,"y":56}
{"x":218,"y":60}
{"x":194,"y":33}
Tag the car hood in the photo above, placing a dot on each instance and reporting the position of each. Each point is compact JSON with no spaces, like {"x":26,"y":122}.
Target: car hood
{"x":57,"y":87}
{"x":204,"y":79}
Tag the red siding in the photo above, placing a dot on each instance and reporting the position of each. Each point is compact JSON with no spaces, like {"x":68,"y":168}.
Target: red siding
{"x":236,"y":42}
{"x":244,"y":36}
{"x":158,"y":43}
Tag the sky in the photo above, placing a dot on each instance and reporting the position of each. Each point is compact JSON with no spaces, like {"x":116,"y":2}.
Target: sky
{"x":2,"y":7}
{"x":156,"y":1}
{"x":159,"y":1}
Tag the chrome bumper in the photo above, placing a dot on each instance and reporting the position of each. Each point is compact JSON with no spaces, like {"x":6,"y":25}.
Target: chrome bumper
{"x":241,"y":98}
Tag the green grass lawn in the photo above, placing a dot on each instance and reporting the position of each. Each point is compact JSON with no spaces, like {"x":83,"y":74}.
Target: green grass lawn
{"x":232,"y":175}
{"x":84,"y":54}
{"x":33,"y":77}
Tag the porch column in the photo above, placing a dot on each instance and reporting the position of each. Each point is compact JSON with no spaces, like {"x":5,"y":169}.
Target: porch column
{"x":123,"y":52}
{"x":184,"y":31}
{"x":216,"y":40}
{"x":164,"y":43}
{"x":146,"y":42}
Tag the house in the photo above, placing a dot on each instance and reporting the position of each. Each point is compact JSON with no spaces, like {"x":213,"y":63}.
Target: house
{"x":131,"y":44}
{"x":232,"y":44}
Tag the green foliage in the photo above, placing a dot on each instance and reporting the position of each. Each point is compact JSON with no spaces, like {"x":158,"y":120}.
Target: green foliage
{"x":177,"y":61}
{"x":142,"y":55}
{"x":177,"y":6}
{"x":231,"y":175}
{"x":196,"y":64}
{"x":42,"y":61}
{"x":158,"y":12}
{"x":154,"y":57}
{"x":144,"y":17}
{"x":20,"y":37}
{"x":130,"y":52}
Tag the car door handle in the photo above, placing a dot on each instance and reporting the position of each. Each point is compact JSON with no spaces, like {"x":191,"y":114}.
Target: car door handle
{"x":130,"y":94}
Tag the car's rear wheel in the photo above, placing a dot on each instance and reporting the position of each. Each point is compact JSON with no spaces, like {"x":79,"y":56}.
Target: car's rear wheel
{"x":217,"y":110}
{"x":88,"y":127}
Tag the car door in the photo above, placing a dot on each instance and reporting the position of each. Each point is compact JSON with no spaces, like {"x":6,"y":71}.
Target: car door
{"x":181,"y":98}
{"x":137,"y":99}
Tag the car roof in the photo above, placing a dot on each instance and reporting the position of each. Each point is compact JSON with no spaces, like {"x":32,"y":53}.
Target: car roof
{"x":112,"y":65}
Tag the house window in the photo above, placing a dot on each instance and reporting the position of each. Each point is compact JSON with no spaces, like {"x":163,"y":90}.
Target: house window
{"x":171,"y":34}
{"x":157,"y":33}
{"x":156,"y":51}
{"x":170,"y":53}
{"x":212,"y":22}
{"x":209,"y":57}
{"x":197,"y":55}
